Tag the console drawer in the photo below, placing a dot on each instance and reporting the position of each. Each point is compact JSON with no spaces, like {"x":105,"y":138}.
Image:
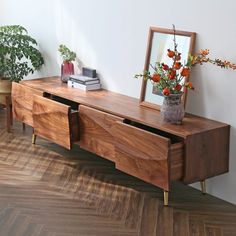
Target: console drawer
{"x":95,"y":131}
{"x":147,"y":155}
{"x":55,"y":121}
{"x":22,"y":102}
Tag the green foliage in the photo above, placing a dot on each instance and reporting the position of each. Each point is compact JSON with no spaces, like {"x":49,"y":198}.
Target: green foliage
{"x":18,"y":54}
{"x":66,"y":53}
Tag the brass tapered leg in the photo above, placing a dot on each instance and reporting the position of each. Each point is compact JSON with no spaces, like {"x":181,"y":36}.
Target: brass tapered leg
{"x":166,"y":198}
{"x":203,"y":186}
{"x":33,"y":138}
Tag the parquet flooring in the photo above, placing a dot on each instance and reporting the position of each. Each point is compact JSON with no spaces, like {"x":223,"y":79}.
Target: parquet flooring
{"x":46,"y":190}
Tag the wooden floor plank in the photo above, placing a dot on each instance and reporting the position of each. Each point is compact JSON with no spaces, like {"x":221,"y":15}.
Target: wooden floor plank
{"x":196,"y":228}
{"x":181,"y":223}
{"x":165,"y":224}
{"x":149,"y":217}
{"x":213,"y":231}
{"x":46,"y":190}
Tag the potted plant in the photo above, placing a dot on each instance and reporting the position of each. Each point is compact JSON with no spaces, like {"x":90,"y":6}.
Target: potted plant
{"x":18,"y":56}
{"x":67,"y":67}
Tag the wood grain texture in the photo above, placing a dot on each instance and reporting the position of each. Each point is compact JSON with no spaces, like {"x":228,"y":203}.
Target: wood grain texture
{"x":143,"y":154}
{"x":123,"y":106}
{"x":206,"y":142}
{"x":22,"y":102}
{"x":95,"y":132}
{"x":177,"y":160}
{"x":207,"y":155}
{"x":51,"y":120}
{"x":46,"y":190}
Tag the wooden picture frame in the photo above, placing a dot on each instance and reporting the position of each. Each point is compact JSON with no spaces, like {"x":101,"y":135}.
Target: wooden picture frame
{"x":187,"y":41}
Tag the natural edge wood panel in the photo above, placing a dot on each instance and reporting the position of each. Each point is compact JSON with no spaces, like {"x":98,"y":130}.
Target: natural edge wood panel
{"x":95,"y":131}
{"x":22,"y":102}
{"x":143,"y":154}
{"x":52,"y":121}
{"x":207,"y":155}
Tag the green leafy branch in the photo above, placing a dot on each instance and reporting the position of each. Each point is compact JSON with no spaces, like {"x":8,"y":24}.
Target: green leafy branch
{"x":66,"y":54}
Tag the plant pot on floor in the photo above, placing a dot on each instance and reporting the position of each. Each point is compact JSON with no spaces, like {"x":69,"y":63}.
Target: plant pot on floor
{"x":5,"y":88}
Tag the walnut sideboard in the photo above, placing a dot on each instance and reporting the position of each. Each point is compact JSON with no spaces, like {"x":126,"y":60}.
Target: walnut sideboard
{"x":115,"y":127}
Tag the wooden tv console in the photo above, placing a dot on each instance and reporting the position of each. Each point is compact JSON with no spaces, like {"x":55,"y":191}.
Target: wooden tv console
{"x":115,"y":127}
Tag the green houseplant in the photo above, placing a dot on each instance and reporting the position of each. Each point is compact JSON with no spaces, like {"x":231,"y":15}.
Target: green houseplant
{"x":67,"y":67}
{"x":66,"y":53}
{"x":18,"y":53}
{"x":18,"y":57}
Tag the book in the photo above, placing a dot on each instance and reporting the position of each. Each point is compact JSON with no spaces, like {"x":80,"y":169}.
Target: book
{"x":82,"y":78}
{"x":96,"y":81}
{"x":83,"y":86}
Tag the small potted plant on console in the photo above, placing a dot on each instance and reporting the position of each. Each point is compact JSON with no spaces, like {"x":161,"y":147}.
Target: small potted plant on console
{"x":67,"y":67}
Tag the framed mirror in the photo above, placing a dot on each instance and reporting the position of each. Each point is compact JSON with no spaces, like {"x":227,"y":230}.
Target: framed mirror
{"x":159,"y":40}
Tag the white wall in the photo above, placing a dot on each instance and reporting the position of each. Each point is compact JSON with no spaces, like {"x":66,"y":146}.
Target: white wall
{"x":111,"y":35}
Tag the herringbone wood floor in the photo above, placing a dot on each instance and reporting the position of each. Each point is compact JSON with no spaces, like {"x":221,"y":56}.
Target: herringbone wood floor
{"x":47,"y":190}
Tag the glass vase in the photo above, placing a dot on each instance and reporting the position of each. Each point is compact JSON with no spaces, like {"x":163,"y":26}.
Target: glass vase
{"x":67,"y":69}
{"x":172,"y":109}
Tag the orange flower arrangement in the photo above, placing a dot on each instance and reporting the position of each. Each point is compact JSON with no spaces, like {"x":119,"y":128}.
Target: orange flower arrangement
{"x":168,"y":79}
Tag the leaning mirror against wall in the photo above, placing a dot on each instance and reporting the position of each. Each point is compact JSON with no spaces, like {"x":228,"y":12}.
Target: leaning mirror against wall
{"x":159,"y":41}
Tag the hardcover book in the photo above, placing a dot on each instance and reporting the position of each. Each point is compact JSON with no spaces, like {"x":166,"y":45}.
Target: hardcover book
{"x":95,"y":81}
{"x":84,"y":87}
{"x":82,"y":78}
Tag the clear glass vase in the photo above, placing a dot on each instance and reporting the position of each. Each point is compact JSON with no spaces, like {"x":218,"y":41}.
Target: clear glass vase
{"x":172,"y":109}
{"x":67,"y":69}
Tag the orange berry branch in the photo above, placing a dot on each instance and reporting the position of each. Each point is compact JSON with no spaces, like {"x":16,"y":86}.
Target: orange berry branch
{"x":201,"y":58}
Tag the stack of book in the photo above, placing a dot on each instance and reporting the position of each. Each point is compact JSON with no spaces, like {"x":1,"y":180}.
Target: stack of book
{"x":84,"y":82}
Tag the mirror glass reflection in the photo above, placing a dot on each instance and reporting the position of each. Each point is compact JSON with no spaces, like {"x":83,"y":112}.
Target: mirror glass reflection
{"x":159,"y":41}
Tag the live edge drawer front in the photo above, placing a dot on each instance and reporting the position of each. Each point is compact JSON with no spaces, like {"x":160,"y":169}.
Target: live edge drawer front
{"x":146,"y":155}
{"x":53,"y":120}
{"x":95,"y":131}
{"x":22,"y":102}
